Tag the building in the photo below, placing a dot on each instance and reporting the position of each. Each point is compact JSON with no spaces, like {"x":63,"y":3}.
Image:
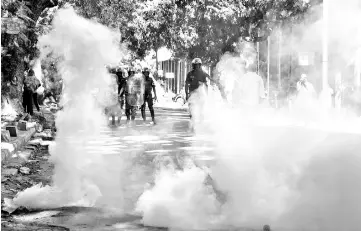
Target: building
{"x":172,"y":73}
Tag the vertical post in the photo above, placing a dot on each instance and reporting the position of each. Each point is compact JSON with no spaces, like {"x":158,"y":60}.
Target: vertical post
{"x":167,"y":79}
{"x":185,"y":70}
{"x":268,"y":65}
{"x":173,"y":71}
{"x":291,"y":53}
{"x":258,"y":54}
{"x":156,"y":60}
{"x":179,"y":77}
{"x":279,"y":58}
{"x":325,"y":45}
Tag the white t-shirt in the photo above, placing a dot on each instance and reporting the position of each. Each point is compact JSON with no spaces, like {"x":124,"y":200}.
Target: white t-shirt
{"x":251,"y":88}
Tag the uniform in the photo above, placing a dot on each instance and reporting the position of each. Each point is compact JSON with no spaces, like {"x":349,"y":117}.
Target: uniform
{"x":148,"y":98}
{"x":128,"y":108}
{"x":121,"y":81}
{"x":31,"y":83}
{"x":194,"y":80}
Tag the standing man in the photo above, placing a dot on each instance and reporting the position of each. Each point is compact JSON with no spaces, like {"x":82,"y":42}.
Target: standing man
{"x":30,"y":86}
{"x":149,"y":86}
{"x":35,"y":93}
{"x":252,"y":91}
{"x":195,"y":78}
{"x":120,"y":81}
{"x":124,"y":91}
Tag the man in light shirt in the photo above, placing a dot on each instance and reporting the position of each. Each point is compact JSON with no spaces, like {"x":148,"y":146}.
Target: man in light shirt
{"x":252,"y":90}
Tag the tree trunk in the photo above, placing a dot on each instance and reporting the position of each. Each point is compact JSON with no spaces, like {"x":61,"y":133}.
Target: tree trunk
{"x":13,"y":93}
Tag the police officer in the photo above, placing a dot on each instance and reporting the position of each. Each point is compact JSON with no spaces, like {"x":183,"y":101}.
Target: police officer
{"x":121,"y":80}
{"x":124,"y":91}
{"x":195,"y":78}
{"x":149,"y":86}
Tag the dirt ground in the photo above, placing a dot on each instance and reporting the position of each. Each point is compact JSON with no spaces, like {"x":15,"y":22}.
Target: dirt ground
{"x":41,"y":171}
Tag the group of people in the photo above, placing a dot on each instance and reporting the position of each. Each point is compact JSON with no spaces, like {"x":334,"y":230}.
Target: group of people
{"x":195,"y":80}
{"x":251,"y":89}
{"x":129,"y":92}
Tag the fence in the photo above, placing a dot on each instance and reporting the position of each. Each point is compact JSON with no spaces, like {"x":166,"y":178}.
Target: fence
{"x":173,"y":73}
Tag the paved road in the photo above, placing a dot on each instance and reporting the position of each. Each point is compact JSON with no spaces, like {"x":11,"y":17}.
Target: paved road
{"x":140,"y":150}
{"x":131,"y":155}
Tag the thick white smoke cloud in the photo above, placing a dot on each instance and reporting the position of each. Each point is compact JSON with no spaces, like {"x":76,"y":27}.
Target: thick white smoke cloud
{"x":81,"y":177}
{"x":294,"y":171}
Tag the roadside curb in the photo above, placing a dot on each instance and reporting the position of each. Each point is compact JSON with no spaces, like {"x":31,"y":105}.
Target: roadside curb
{"x":8,"y":149}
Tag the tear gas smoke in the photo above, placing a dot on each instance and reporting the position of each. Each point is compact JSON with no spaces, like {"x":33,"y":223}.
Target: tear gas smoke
{"x":298,"y":170}
{"x":266,"y":167}
{"x":81,"y":177}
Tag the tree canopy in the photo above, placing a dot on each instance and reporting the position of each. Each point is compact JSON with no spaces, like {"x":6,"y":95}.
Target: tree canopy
{"x":192,"y":27}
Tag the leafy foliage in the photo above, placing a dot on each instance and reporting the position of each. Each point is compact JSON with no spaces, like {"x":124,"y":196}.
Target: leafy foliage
{"x":192,"y":27}
{"x":15,"y":38}
{"x":18,"y":41}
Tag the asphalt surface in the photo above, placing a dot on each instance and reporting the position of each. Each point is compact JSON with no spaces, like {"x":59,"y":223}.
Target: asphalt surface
{"x":140,"y":149}
{"x":129,"y":156}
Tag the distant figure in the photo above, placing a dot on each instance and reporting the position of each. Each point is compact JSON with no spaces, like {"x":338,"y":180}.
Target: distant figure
{"x":195,"y":78}
{"x":148,"y":98}
{"x":252,"y":90}
{"x":31,"y":83}
{"x":303,"y":85}
{"x":306,"y":93}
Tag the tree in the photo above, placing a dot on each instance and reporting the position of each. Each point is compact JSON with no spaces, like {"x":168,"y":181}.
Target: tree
{"x":18,"y":42}
{"x":219,"y":24}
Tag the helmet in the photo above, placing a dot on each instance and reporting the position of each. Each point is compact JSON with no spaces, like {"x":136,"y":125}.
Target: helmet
{"x":131,"y":71}
{"x":197,"y":61}
{"x":146,"y":69}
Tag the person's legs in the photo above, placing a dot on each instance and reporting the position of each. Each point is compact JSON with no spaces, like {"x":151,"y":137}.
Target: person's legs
{"x":127,"y":110}
{"x":190,"y":98}
{"x":25,"y":102}
{"x":133,"y":112}
{"x":35,"y":100}
{"x":122,"y":102}
{"x":151,"y":109}
{"x":29,"y":102}
{"x":142,"y":109}
{"x":119,"y":88}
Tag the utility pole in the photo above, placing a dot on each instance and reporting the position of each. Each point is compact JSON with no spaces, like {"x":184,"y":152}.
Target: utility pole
{"x":268,"y":65}
{"x":325,"y":45}
{"x":279,"y":58}
{"x":258,"y":53}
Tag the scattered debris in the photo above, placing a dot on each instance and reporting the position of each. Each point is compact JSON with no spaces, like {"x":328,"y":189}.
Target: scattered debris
{"x":12,"y":131}
{"x":25,"y":154}
{"x":46,"y":143}
{"x":45,"y":135}
{"x":9,"y":171}
{"x":35,"y":141}
{"x":9,"y":206}
{"x":25,"y":170}
{"x":30,"y":147}
{"x":5,"y":136}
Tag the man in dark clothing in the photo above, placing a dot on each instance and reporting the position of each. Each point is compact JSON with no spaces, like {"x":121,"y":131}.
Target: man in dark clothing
{"x":195,"y":78}
{"x":35,"y":94}
{"x":30,"y":86}
{"x":120,"y":78}
{"x":120,"y":81}
{"x":149,"y":86}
